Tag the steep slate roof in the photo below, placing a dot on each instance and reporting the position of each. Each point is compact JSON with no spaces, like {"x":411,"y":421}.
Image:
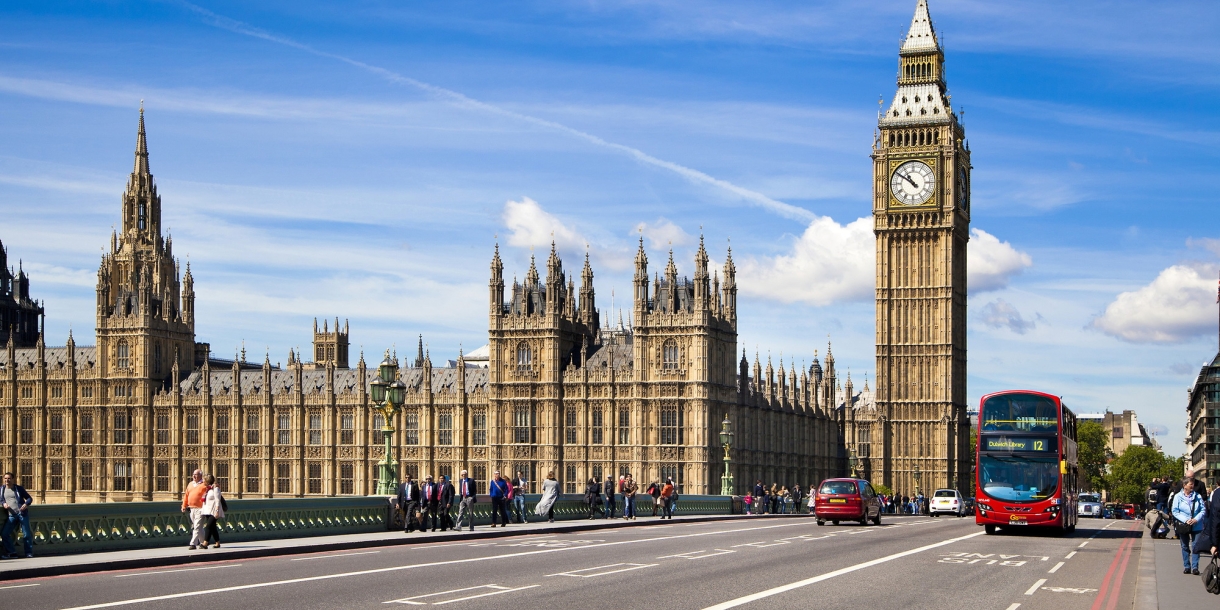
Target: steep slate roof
{"x":57,"y":357}
{"x":314,"y":382}
{"x":921,"y":36}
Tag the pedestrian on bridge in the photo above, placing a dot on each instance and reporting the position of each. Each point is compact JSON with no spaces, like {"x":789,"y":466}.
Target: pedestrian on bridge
{"x":408,"y":503}
{"x":192,"y":502}
{"x":17,"y":502}
{"x":608,"y":488}
{"x":654,"y":490}
{"x":520,"y":488}
{"x":212,"y":510}
{"x":629,"y":491}
{"x":432,"y":504}
{"x":593,"y":495}
{"x":466,"y":499}
{"x":1189,"y":510}
{"x":446,"y":504}
{"x":501,"y":492}
{"x":550,"y":493}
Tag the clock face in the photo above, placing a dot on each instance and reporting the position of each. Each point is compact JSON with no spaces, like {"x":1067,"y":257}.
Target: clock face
{"x":913,"y":183}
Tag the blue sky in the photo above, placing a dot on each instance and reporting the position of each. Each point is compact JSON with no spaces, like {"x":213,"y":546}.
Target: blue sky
{"x":360,"y":161}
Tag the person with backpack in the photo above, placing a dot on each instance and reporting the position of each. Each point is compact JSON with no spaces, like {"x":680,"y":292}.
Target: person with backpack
{"x":17,"y":502}
{"x":654,"y":490}
{"x":1189,"y":511}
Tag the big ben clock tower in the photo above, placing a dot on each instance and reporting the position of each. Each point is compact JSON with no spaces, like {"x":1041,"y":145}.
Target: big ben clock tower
{"x":921,"y":217}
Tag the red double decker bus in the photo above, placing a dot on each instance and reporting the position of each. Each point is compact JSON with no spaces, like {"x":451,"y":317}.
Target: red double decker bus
{"x":1026,"y":467}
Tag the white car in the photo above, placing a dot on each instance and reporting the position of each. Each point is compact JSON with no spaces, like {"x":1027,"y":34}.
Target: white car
{"x":1089,"y":505}
{"x":947,"y":502}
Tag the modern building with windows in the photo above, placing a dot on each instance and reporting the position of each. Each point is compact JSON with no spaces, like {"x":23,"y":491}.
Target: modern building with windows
{"x":1203,"y":428}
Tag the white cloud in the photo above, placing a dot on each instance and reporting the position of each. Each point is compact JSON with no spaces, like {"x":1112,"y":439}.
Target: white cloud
{"x":1002,"y":314}
{"x":663,"y":234}
{"x":990,"y":263}
{"x":828,"y":263}
{"x":532,"y":226}
{"x":1177,"y":306}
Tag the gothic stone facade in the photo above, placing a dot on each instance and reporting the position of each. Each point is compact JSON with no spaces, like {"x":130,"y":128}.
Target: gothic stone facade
{"x":130,"y":418}
{"x":917,"y":436}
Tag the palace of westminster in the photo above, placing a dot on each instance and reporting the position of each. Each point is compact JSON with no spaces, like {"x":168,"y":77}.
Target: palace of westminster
{"x":558,"y":388}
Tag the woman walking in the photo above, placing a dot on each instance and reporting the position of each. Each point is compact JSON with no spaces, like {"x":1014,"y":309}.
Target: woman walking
{"x":593,"y":495}
{"x":1189,"y":511}
{"x":213,"y":509}
{"x":550,"y":493}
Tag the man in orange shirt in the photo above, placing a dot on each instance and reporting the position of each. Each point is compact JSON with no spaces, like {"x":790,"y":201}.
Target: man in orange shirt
{"x":192,"y":500}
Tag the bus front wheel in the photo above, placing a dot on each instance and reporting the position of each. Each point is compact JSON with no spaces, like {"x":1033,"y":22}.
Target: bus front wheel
{"x":990,"y":529}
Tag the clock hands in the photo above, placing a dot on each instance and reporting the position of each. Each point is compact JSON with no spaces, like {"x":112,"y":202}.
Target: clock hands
{"x":908,"y":179}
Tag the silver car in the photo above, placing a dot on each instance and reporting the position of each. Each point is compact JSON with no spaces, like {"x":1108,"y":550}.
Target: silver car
{"x":1089,"y":505}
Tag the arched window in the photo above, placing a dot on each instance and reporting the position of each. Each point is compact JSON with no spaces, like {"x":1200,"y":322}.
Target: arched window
{"x":525,"y":356}
{"x":669,"y":355}
{"x":141,"y":219}
{"x":123,"y":355}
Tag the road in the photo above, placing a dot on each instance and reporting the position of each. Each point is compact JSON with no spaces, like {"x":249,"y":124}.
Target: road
{"x":908,"y":562}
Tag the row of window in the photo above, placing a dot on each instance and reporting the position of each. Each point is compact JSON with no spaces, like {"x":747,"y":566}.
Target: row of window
{"x":523,"y":428}
{"x":57,"y":391}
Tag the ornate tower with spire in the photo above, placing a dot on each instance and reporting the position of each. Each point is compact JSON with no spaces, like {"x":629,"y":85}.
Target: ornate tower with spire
{"x":145,"y":313}
{"x":921,"y":217}
{"x":20,"y":316}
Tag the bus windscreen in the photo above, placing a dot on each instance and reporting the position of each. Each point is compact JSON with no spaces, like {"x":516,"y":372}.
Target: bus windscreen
{"x":1019,"y":413}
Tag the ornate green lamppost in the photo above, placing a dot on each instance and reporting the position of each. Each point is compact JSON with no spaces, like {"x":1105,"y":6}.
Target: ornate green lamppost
{"x":388,"y":393}
{"x":726,"y":441}
{"x":852,"y":462}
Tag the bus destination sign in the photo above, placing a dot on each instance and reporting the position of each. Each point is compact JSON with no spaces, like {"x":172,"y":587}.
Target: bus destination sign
{"x":1020,"y":444}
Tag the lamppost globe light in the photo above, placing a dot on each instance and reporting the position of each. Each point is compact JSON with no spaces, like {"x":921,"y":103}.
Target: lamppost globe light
{"x":397,"y":393}
{"x":388,"y":369}
{"x":377,"y":390}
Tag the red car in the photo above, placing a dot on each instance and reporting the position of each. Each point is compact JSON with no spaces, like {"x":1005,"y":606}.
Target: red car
{"x":847,"y":500}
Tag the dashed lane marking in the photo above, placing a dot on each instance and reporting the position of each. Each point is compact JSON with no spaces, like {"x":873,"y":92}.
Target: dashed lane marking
{"x":1056,"y":568}
{"x":762,"y":545}
{"x":418,"y":600}
{"x":617,"y":567}
{"x":1082,"y":544}
{"x":701,"y":554}
{"x":1070,"y":555}
{"x":1034,"y":589}
{"x":234,"y":565}
{"x":20,"y":586}
{"x":333,"y":556}
{"x":1014,"y":607}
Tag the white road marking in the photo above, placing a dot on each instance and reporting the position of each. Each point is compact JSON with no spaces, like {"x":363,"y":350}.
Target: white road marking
{"x":496,"y":590}
{"x":1070,"y":555}
{"x":741,"y":601}
{"x":1041,"y":581}
{"x":292,"y":581}
{"x":20,"y":586}
{"x":619,"y":567}
{"x":701,"y":554}
{"x":330,"y":556}
{"x":1056,"y":568}
{"x":1082,"y":544}
{"x":1014,"y":607}
{"x":761,"y":545}
{"x":236,"y":565}
{"x":1068,"y":590}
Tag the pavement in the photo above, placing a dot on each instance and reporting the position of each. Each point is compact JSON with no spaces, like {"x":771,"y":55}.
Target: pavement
{"x":907,"y":562}
{"x":1175,"y":589}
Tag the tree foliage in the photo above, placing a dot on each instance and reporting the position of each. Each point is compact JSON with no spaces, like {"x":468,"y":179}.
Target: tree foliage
{"x":1092,"y":454}
{"x":883,"y":489}
{"x":1132,"y":472}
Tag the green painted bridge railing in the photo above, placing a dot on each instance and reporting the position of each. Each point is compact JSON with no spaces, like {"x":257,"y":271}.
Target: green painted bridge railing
{"x":61,"y":529}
